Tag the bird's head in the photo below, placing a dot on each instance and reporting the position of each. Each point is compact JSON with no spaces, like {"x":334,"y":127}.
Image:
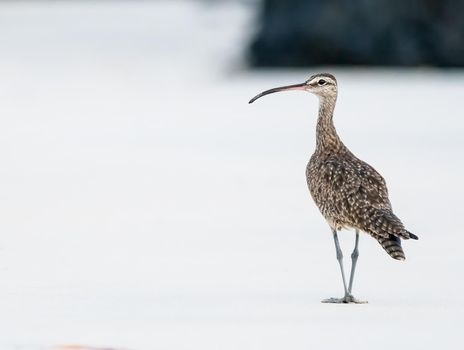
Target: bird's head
{"x":322,"y":85}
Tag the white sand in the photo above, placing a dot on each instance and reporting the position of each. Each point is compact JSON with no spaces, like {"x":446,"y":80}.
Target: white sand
{"x":145,"y":205}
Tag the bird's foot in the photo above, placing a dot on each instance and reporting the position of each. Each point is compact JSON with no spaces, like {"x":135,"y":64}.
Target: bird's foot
{"x":347,"y":299}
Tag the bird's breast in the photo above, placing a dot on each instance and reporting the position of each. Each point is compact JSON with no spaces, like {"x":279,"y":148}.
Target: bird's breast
{"x":326,"y":184}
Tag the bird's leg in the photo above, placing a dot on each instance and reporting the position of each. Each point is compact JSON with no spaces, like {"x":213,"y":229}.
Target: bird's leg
{"x":340,"y":259}
{"x":340,"y":262}
{"x":348,"y":298}
{"x":354,"y":260}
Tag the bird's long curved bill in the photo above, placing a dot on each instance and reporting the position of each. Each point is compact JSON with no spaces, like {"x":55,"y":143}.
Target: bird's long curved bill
{"x":301,"y":86}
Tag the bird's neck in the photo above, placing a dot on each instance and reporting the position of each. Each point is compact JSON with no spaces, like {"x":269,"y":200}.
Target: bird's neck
{"x":326,"y":135}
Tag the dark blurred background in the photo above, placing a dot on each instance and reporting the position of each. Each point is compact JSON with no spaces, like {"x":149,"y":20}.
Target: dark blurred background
{"x":359,"y":32}
{"x":144,"y":204}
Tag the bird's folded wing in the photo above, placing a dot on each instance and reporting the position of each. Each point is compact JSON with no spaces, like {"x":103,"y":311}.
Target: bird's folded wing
{"x":361,"y":198}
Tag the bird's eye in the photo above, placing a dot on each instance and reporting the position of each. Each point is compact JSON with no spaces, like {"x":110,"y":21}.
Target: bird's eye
{"x":321,"y":82}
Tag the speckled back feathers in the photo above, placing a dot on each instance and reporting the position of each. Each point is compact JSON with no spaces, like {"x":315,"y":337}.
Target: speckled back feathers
{"x":349,"y":192}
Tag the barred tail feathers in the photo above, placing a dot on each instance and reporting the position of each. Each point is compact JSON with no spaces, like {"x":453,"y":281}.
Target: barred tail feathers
{"x":392,"y":246}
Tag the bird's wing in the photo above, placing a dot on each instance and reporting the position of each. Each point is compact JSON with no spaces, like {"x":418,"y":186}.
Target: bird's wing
{"x":358,"y":197}
{"x":372,"y":188}
{"x":355,"y":182}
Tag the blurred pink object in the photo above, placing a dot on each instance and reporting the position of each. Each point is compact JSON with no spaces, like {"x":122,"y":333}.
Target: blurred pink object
{"x":81,"y":347}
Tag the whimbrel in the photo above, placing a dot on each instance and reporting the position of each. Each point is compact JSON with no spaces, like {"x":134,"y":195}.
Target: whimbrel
{"x":349,"y":193}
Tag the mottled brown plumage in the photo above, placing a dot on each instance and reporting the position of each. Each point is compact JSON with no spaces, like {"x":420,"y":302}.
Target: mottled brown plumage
{"x":349,"y":192}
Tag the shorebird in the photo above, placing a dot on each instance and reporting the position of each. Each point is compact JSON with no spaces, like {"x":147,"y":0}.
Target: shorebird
{"x":349,"y":193}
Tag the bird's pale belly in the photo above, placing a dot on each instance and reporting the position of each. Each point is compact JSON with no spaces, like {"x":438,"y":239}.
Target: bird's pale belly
{"x":338,"y":225}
